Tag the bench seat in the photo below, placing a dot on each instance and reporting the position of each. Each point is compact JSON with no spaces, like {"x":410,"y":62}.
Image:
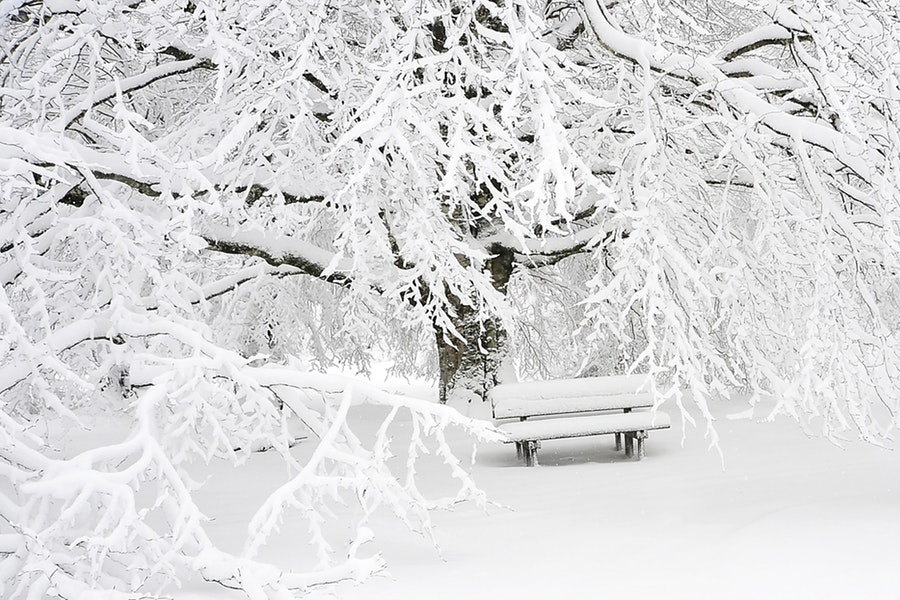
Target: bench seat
{"x":583,"y":425}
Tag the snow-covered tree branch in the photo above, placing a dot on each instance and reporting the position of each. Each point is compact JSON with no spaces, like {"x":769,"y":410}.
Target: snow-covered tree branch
{"x":203,"y":204}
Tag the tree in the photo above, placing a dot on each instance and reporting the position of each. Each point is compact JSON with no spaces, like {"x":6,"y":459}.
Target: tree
{"x":709,"y":198}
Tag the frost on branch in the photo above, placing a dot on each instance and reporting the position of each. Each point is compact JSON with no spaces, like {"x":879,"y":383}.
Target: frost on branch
{"x":579,"y":183}
{"x":119,"y":519}
{"x":756,"y":210}
{"x":102,"y":315}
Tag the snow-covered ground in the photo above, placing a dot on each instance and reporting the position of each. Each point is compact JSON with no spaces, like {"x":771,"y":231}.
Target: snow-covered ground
{"x":787,"y":517}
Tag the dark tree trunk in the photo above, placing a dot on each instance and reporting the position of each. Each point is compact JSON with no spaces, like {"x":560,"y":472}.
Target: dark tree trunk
{"x":469,"y":366}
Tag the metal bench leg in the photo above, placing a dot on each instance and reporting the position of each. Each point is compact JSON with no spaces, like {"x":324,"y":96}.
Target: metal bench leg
{"x":618,"y":442}
{"x":629,"y":444}
{"x":519,"y":451}
{"x":641,"y":436}
{"x":531,"y":449}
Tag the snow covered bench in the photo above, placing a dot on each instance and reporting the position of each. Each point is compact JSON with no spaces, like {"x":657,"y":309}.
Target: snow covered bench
{"x":589,"y":402}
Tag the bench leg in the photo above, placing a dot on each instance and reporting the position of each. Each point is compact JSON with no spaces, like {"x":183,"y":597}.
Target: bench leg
{"x":519,"y":451}
{"x":641,"y":436}
{"x":629,"y":444}
{"x":531,"y":449}
{"x":618,"y":442}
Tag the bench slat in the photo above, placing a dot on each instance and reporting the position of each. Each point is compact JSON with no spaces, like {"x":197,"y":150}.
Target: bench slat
{"x":567,"y":427}
{"x":577,"y":404}
{"x":563,"y":388}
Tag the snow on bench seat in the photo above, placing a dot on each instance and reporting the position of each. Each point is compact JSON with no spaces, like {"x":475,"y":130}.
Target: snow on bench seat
{"x":567,"y":427}
{"x":582,"y":386}
{"x":564,"y":396}
{"x":505,"y":409}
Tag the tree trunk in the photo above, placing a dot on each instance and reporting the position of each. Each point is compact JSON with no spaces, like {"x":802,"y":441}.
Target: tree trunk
{"x":469,"y":366}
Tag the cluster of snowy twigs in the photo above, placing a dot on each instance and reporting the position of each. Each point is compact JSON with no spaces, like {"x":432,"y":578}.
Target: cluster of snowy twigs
{"x":708,"y":191}
{"x":96,"y":323}
{"x":118,"y":519}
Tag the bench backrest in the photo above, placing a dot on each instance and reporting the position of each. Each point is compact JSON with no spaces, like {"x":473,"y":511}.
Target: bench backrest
{"x":566,"y":396}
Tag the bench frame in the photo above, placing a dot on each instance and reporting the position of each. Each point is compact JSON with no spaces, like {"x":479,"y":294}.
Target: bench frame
{"x":608,"y":403}
{"x":527,"y":449}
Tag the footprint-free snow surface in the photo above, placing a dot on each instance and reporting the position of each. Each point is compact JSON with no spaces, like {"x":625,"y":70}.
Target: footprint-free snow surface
{"x":788,"y":517}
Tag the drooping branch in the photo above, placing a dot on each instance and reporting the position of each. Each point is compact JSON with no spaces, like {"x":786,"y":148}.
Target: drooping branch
{"x":257,"y":191}
{"x":253,"y":193}
{"x":229,"y":283}
{"x":132,"y":84}
{"x":286,"y":250}
{"x":737,"y":93}
{"x":761,"y":37}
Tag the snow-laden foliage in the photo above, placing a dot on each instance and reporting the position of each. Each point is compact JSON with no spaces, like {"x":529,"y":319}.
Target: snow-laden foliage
{"x":201,"y":201}
{"x":759,"y":233}
{"x":101,"y":319}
